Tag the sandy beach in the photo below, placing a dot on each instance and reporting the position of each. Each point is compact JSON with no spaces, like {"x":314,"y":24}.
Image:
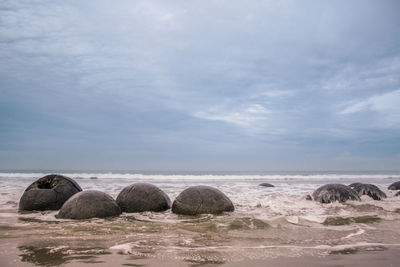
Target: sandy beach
{"x":271,"y":226}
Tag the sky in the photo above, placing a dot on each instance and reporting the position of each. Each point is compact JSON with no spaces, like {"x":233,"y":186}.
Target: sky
{"x":200,"y":85}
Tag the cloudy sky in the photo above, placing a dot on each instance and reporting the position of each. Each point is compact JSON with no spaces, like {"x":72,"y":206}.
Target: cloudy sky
{"x":200,"y":85}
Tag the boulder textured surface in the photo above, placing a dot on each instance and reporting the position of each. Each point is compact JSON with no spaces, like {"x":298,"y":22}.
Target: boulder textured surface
{"x":89,"y":204}
{"x":201,"y":199}
{"x":369,"y":189}
{"x":48,"y":193}
{"x":143,"y":197}
{"x":394,"y":186}
{"x":335,"y":192}
{"x":354,"y":184}
{"x":266,"y":185}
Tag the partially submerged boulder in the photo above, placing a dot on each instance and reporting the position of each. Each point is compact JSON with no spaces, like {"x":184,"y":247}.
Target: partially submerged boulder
{"x":369,"y":189}
{"x":201,"y":199}
{"x":394,"y":186}
{"x":89,"y":204}
{"x":397,"y":194}
{"x":143,"y":197}
{"x":266,"y":185}
{"x":48,"y":193}
{"x":334,"y":192}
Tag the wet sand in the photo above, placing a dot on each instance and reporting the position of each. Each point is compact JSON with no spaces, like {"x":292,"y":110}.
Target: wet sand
{"x":270,"y":227}
{"x":10,"y":255}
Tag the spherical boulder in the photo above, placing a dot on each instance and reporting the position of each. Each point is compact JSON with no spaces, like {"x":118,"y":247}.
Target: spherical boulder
{"x":48,"y":193}
{"x":334,"y":192}
{"x":201,"y":199}
{"x":266,"y":185}
{"x":143,"y":197}
{"x":89,"y":204}
{"x":369,"y":189}
{"x":394,"y":186}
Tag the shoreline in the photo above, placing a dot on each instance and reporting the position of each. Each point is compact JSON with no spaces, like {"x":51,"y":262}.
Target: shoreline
{"x":10,"y":255}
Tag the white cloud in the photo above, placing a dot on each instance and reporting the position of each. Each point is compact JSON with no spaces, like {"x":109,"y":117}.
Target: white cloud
{"x":250,"y":117}
{"x":358,"y":77}
{"x":357,"y":107}
{"x":386,"y":106}
{"x":278,"y":93}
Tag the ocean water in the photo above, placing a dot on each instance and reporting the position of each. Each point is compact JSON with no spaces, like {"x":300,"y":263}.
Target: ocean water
{"x":267,"y":222}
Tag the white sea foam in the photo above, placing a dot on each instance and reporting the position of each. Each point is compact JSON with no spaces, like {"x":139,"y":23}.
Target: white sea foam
{"x":359,"y":232}
{"x":123,"y":248}
{"x":356,"y":245}
{"x":128,"y":247}
{"x":267,"y":177}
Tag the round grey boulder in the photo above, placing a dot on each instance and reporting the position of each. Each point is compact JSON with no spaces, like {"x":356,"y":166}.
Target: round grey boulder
{"x":48,"y":193}
{"x":369,"y":189}
{"x":335,"y":192}
{"x":266,"y":185}
{"x":394,"y":186}
{"x":89,"y":204}
{"x":201,"y":199}
{"x":143,"y":197}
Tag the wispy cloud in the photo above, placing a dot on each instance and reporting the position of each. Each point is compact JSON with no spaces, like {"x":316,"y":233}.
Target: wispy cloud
{"x":250,"y":117}
{"x":386,"y":106}
{"x":365,"y":77}
{"x":277,"y":93}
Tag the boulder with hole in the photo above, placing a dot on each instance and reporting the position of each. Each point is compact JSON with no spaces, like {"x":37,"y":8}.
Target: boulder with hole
{"x":48,"y":193}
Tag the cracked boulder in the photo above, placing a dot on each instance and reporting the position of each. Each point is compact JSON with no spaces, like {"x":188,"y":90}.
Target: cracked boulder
{"x":89,"y":204}
{"x":335,"y":192}
{"x":368,"y":189}
{"x":141,"y":197}
{"x":201,"y":199}
{"x":48,"y":193}
{"x":394,"y":186}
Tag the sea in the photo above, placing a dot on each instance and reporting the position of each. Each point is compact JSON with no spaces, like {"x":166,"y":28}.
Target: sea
{"x":268,"y":222}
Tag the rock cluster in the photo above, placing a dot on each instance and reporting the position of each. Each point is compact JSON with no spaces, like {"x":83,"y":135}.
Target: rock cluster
{"x":53,"y":192}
